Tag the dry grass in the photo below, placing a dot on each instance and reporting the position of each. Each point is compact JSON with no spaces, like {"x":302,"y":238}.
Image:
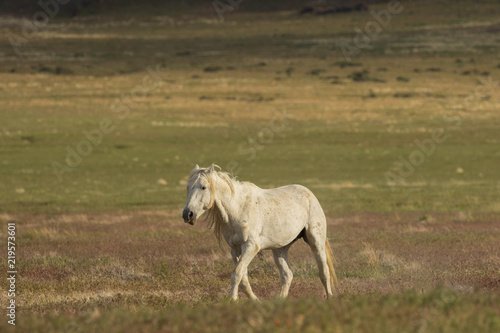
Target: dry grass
{"x":149,"y":270}
{"x":74,"y":262}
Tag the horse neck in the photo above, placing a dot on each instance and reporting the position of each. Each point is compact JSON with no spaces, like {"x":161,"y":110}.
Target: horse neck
{"x":227,"y":201}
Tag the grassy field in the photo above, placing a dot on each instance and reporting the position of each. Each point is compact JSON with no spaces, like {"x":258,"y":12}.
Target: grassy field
{"x":271,"y":98}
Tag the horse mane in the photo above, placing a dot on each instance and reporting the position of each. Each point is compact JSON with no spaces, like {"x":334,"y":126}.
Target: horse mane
{"x":213,"y":214}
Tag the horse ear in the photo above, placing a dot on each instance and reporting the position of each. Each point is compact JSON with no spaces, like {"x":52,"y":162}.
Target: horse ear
{"x":211,"y":168}
{"x":196,"y":166}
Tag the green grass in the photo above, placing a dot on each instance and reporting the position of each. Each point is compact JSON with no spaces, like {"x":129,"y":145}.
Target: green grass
{"x":440,"y":310}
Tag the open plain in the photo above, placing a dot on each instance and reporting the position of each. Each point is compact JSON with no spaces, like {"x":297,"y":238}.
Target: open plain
{"x":103,"y":116}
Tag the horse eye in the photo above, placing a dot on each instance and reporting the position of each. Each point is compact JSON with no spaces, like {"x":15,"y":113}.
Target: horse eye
{"x":203,"y":187}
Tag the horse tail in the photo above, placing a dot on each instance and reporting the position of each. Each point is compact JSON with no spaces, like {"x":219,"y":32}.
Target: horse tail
{"x":330,"y":260}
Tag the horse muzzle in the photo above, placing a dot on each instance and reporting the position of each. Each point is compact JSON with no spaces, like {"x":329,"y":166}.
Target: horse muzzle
{"x":188,"y":216}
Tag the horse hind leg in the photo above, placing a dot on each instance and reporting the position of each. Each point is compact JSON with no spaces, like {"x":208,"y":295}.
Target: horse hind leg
{"x":281,"y":259}
{"x":316,"y":241}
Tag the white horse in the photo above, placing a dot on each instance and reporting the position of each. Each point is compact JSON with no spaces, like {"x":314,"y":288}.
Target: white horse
{"x":252,"y":219}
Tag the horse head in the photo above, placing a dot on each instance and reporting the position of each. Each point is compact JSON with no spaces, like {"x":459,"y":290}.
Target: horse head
{"x":200,"y":193}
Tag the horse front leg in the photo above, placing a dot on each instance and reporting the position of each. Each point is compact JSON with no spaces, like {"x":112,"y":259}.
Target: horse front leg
{"x":248,"y":252}
{"x":245,"y":284}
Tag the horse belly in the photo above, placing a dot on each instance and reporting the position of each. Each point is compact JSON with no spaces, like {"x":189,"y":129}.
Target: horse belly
{"x":281,"y":231}
{"x":284,"y":214}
